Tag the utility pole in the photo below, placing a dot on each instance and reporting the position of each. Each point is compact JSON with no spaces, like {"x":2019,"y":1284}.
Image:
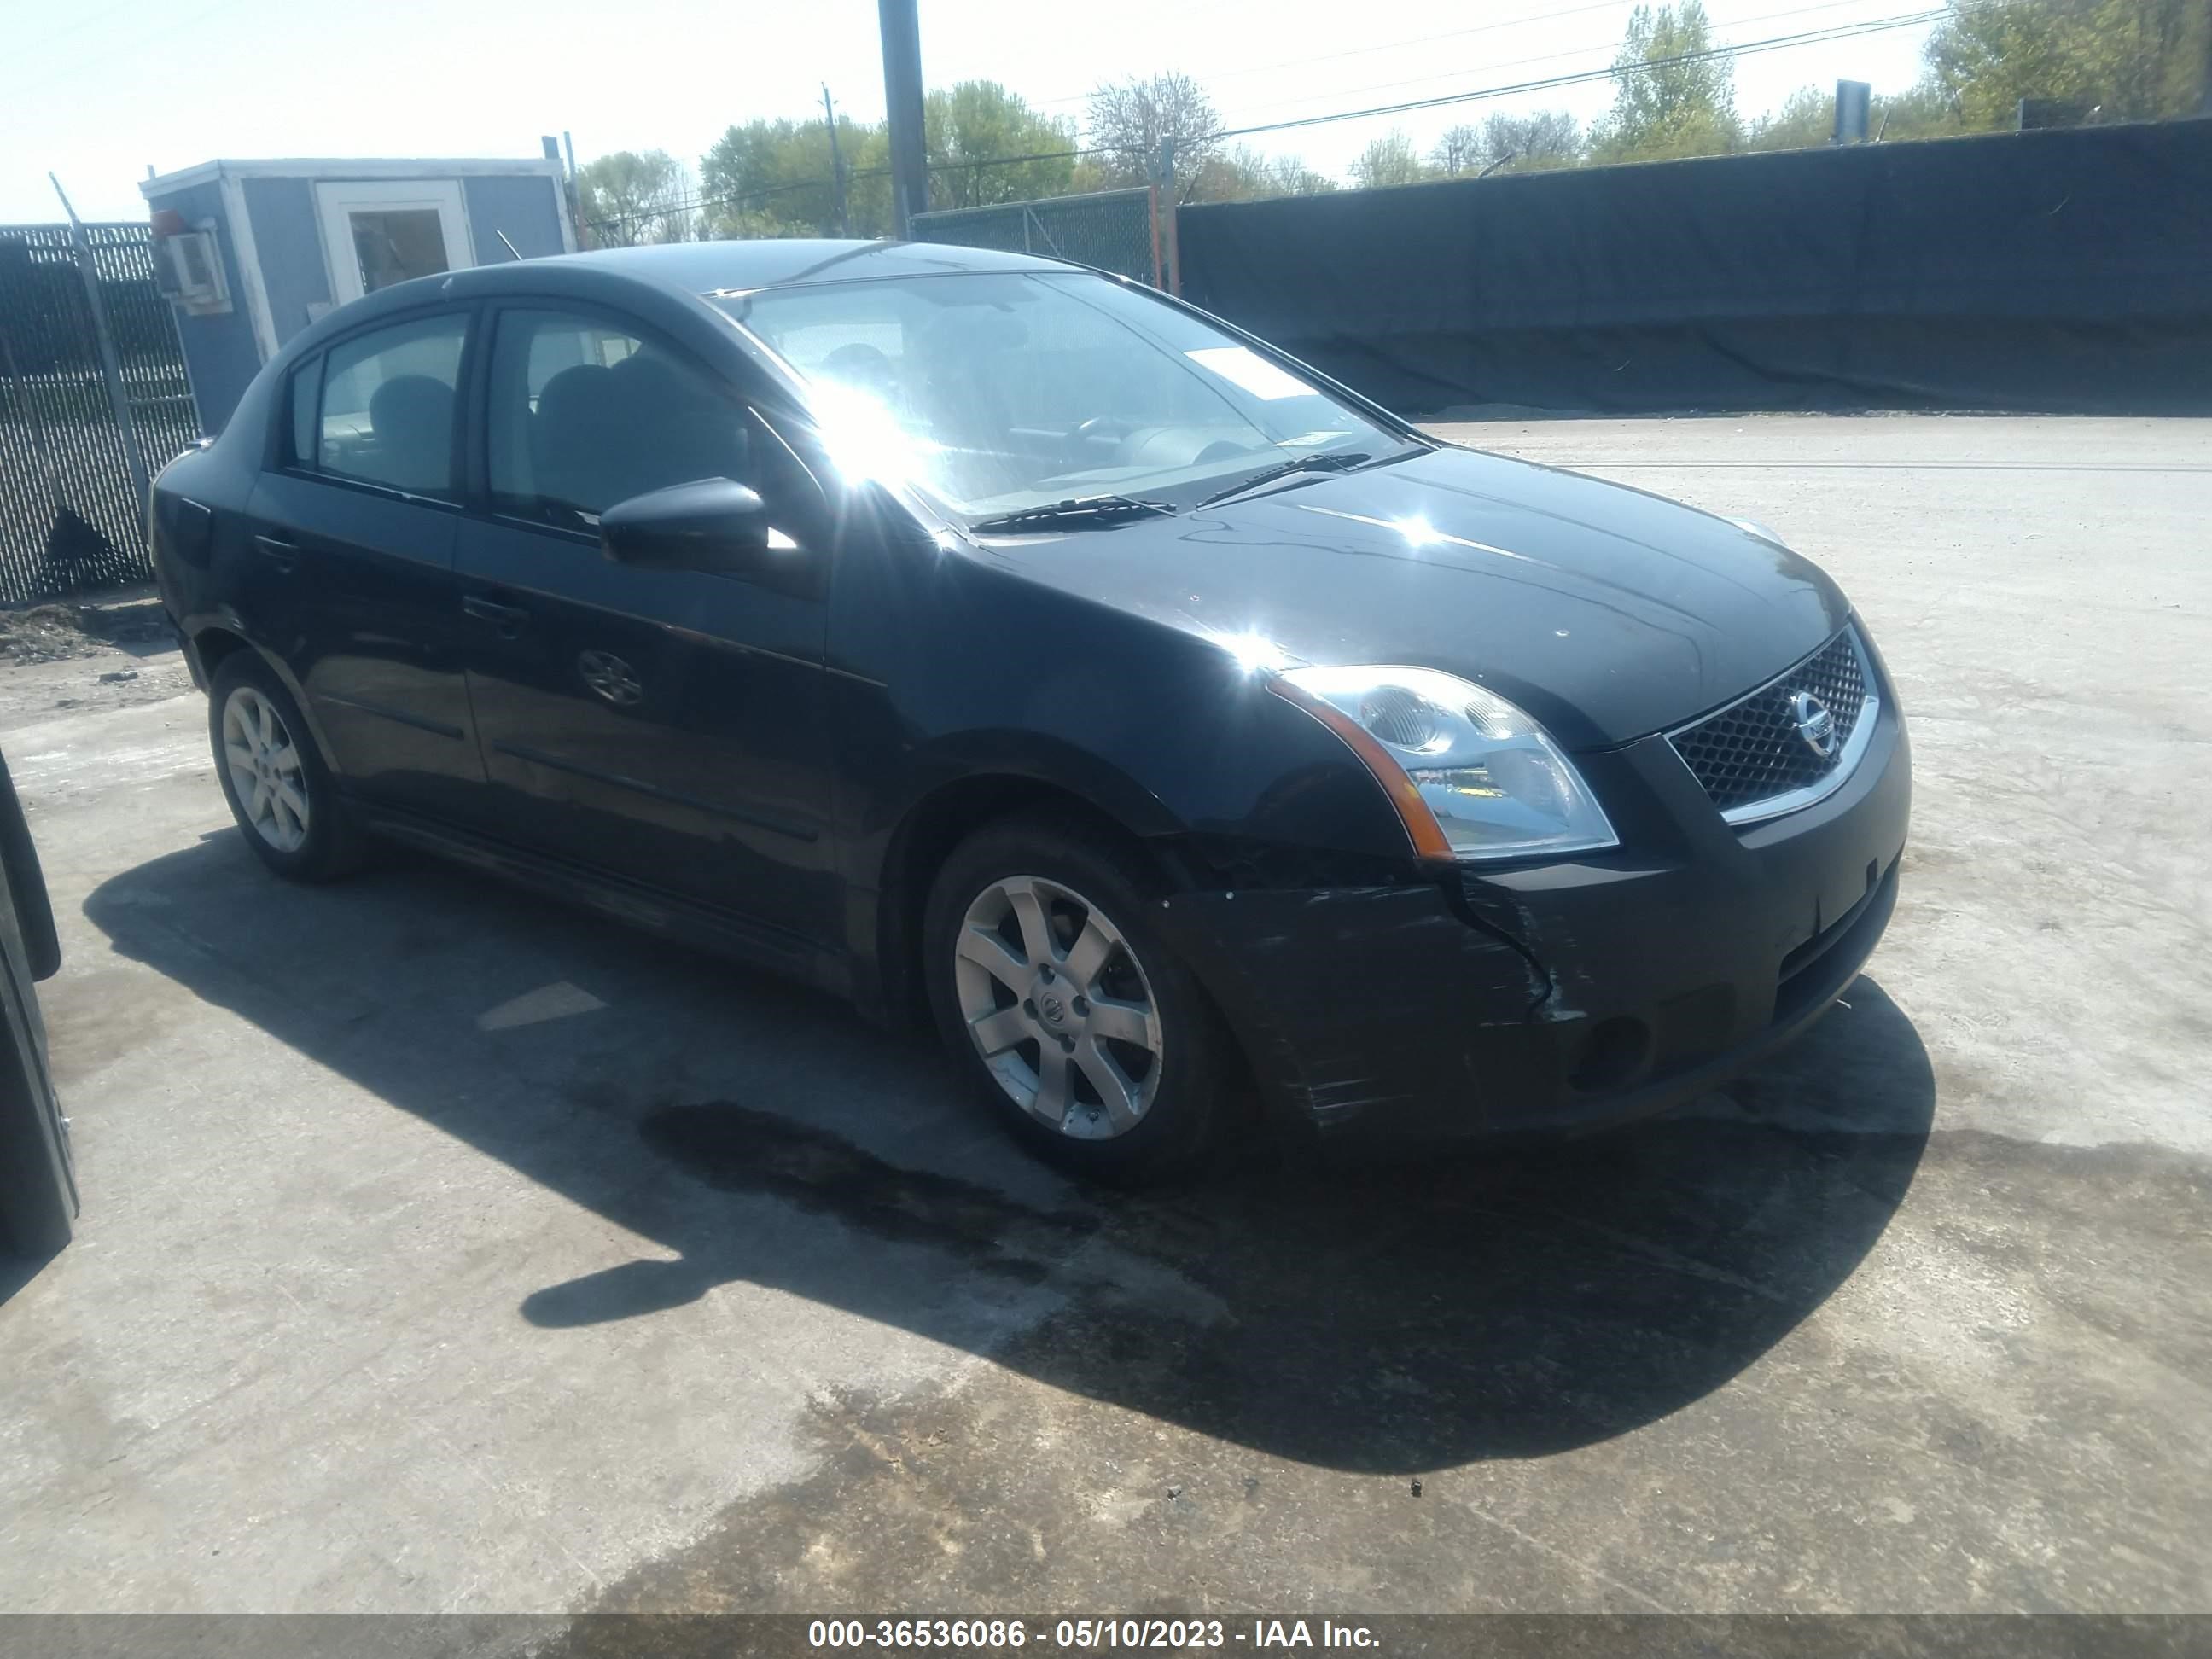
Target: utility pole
{"x":902,"y":36}
{"x":836,"y":161}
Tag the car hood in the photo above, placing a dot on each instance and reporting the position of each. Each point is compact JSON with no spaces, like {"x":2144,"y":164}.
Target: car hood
{"x":1605,"y":612}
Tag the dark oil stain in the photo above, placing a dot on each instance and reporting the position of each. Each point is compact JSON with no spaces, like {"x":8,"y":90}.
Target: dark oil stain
{"x":1545,"y":1303}
{"x":740,"y":1149}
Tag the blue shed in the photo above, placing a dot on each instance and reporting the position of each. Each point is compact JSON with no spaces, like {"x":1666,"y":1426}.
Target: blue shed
{"x":253,"y":252}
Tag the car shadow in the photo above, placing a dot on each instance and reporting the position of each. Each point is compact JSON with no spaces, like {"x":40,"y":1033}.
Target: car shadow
{"x":1364,"y":1313}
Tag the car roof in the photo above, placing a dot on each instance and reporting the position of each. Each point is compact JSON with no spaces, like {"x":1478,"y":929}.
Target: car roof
{"x":739,"y":267}
{"x":685,"y":274}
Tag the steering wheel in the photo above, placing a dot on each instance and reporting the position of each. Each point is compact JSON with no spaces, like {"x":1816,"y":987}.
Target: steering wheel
{"x":1081,"y":437}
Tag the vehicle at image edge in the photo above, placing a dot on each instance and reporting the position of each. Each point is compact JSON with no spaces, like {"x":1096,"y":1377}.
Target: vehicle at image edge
{"x":979,"y":636}
{"x":37,"y":1179}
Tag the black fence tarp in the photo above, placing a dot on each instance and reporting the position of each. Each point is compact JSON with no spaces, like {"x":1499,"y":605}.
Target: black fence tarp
{"x":71,"y":517}
{"x":2064,"y":271}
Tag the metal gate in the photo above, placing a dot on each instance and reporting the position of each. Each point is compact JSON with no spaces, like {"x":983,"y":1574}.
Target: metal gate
{"x":1116,"y":230}
{"x":72,"y":519}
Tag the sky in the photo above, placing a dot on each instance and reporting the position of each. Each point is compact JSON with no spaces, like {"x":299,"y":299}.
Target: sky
{"x":98,"y":90}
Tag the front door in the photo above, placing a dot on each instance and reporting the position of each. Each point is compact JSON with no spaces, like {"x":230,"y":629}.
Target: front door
{"x":662,"y":724}
{"x":350,"y":576}
{"x":385,"y":231}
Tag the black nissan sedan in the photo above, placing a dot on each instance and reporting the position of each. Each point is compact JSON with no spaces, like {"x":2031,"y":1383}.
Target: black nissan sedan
{"x":994,"y":641}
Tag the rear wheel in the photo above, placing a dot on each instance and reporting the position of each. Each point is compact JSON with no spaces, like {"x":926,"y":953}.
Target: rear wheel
{"x":278,"y":789}
{"x":1053,"y":991}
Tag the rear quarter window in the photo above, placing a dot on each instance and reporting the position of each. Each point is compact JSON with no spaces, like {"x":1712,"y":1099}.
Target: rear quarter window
{"x":304,"y":390}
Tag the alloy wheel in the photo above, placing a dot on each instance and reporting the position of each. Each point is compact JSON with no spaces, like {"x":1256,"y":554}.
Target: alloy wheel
{"x":265,"y":773}
{"x":1058,"y":1007}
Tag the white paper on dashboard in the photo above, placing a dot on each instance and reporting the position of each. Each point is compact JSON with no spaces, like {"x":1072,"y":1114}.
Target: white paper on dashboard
{"x":1242,"y":366}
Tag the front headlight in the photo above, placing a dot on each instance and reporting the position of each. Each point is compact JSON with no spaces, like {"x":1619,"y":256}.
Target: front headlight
{"x":1471,"y":776}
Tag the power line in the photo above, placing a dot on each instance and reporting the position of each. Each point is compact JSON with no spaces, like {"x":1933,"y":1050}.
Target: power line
{"x":1841,"y":32}
{"x":1774,"y":43}
{"x":1609,"y":48}
{"x":1544,"y":16}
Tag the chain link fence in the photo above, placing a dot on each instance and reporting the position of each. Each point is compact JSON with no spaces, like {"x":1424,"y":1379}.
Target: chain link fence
{"x":1115,"y":230}
{"x":71,"y":516}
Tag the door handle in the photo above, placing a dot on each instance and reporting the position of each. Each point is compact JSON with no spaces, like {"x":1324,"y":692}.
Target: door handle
{"x":278,"y":551}
{"x":508,"y":618}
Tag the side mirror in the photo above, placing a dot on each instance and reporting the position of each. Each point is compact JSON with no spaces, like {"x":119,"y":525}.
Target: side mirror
{"x":711,"y":524}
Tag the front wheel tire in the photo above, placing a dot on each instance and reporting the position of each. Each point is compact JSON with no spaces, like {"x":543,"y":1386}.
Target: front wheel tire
{"x":1052,"y":990}
{"x":278,"y":789}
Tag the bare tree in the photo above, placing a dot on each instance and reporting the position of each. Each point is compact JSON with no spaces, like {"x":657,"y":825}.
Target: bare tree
{"x":1525,"y":143}
{"x":1389,"y":160}
{"x":1130,"y":121}
{"x":1289,"y":175}
{"x":1237,"y":173}
{"x":1460,"y":150}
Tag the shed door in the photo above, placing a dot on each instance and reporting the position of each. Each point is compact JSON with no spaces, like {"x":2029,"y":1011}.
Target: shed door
{"x":378,"y":233}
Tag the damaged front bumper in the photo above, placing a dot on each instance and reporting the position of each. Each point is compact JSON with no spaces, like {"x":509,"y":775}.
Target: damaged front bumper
{"x":1562,"y":994}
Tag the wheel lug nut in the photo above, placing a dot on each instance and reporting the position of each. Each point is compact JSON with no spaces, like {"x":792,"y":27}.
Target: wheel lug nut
{"x":1029,"y":1008}
{"x":1045,"y":974}
{"x":1081,"y":1006}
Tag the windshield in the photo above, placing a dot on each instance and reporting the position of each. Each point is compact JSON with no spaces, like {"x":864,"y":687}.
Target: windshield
{"x":1001,"y":391}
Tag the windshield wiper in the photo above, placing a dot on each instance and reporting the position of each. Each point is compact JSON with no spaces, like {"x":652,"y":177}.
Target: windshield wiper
{"x":1329,"y":460}
{"x":1075,"y":514}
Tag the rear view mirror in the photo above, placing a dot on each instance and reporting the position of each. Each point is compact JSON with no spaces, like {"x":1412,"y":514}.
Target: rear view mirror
{"x":711,"y":524}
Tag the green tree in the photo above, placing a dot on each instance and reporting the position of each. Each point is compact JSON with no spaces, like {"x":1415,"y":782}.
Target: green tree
{"x":1922,"y":111}
{"x":973,"y":131}
{"x":1668,"y":98}
{"x":772,"y":178}
{"x":1805,"y":119}
{"x":633,"y":196}
{"x":1389,"y":160}
{"x":1129,"y":122}
{"x":984,"y":145}
{"x":2129,"y":60}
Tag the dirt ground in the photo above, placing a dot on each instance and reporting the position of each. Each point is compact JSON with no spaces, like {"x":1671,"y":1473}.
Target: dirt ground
{"x":109,"y":653}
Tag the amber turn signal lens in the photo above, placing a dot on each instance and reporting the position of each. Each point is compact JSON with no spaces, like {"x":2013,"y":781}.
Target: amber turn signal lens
{"x":1421,"y":826}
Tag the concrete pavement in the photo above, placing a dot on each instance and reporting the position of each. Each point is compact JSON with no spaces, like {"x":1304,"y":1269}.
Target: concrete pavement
{"x":447,"y":1251}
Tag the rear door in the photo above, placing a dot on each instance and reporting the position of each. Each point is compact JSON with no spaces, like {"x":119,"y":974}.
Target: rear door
{"x":350,"y":579}
{"x":662,"y":724}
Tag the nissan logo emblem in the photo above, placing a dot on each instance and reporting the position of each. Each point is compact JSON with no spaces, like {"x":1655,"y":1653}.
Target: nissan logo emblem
{"x":1816,"y":724}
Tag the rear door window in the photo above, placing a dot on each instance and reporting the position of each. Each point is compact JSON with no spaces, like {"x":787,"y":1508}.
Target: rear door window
{"x":387,"y":409}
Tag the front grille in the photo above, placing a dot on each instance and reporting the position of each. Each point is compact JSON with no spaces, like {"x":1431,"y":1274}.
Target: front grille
{"x":1753,"y":751}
